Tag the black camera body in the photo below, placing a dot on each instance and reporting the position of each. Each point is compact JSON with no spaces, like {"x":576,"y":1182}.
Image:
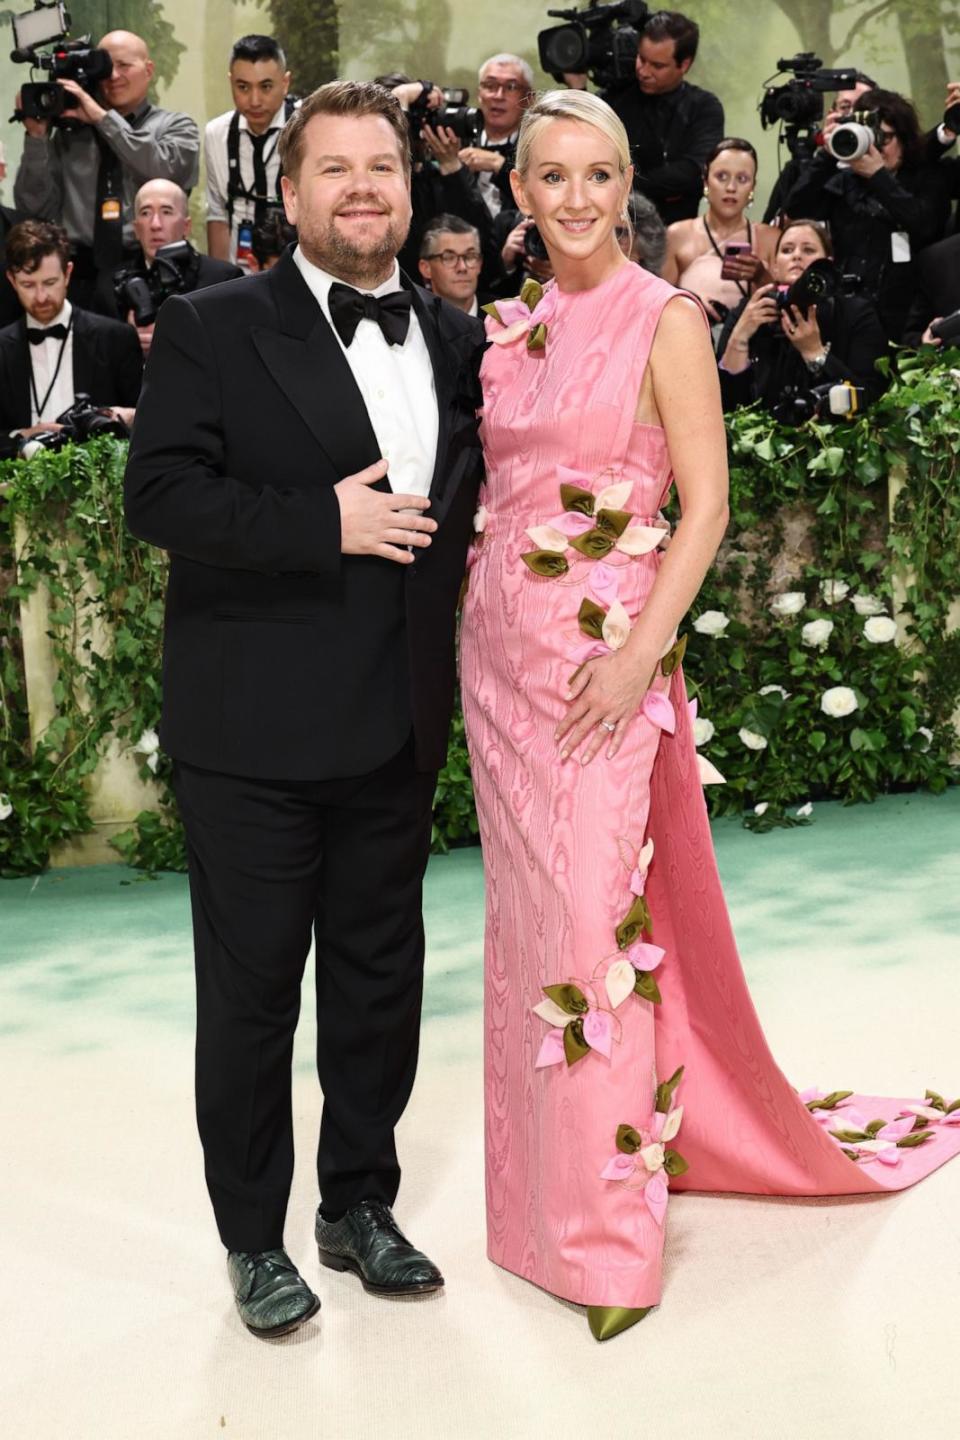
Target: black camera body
{"x":600,"y":41}
{"x":798,"y":103}
{"x":77,"y":60}
{"x":81,"y":422}
{"x":822,"y":402}
{"x":947,"y":329}
{"x":173,"y":272}
{"x":820,"y":281}
{"x":466,"y":121}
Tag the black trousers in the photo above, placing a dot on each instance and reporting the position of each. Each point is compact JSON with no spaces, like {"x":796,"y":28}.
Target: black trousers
{"x":269,"y":863}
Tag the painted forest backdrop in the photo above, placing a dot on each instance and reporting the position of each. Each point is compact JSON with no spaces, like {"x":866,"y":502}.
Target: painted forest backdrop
{"x":907,"y":45}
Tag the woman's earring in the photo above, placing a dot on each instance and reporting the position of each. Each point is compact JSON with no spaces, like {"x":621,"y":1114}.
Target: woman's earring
{"x":750,"y":198}
{"x":706,"y":192}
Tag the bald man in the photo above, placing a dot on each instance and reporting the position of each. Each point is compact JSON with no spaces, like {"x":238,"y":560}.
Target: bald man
{"x":161,"y":217}
{"x":87,"y":180}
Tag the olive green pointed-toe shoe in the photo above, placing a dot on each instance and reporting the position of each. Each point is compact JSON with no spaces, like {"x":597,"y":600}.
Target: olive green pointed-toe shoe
{"x":605,"y":1321}
{"x":270,"y":1293}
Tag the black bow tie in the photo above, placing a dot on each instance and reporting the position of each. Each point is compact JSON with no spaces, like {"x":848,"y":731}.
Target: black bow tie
{"x":391,"y":312}
{"x":52,"y":332}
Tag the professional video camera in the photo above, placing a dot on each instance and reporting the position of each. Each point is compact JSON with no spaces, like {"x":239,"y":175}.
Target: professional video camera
{"x":600,"y":41}
{"x":797,"y":105}
{"x":49,"y":24}
{"x":83,"y":421}
{"x":173,"y":272}
{"x":821,"y":402}
{"x":466,"y":121}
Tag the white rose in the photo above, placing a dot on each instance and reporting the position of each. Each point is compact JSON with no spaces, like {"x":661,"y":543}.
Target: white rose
{"x":148,"y":743}
{"x":791,"y":602}
{"x":927,"y":734}
{"x":653,"y":1156}
{"x":6,"y":809}
{"x":804,"y":811}
{"x":711,"y":622}
{"x":833,"y":591}
{"x":838,"y":701}
{"x":752,"y":740}
{"x":703,"y":731}
{"x":880,"y":630}
{"x":775,"y":690}
{"x":817,"y":632}
{"x":868,"y":605}
{"x":153,"y":760}
{"x":762,"y":808}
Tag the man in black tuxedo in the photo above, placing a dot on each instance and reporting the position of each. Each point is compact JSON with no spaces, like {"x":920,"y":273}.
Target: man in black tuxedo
{"x":57,"y":351}
{"x":937,"y":278}
{"x":308,"y":679}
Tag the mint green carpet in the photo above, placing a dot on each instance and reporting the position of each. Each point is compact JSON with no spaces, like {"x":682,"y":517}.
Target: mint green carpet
{"x":805,"y":1320}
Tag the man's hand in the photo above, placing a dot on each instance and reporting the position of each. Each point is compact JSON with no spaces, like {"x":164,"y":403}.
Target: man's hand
{"x":869,"y":164}
{"x":144,"y":334}
{"x":38,"y":128}
{"x":513,"y":245}
{"x":86,"y":109}
{"x":374,"y":523}
{"x":28,"y":431}
{"x":575,"y":79}
{"x":477,"y":159}
{"x":444,"y":145}
{"x":928,"y":337}
{"x":123,"y":413}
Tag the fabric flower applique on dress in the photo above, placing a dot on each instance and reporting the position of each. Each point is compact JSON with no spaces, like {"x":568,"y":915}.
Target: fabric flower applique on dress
{"x":605,"y":629}
{"x":643,"y":1159}
{"x":708,"y":772}
{"x":933,"y":1110}
{"x":592,"y":523}
{"x":862,"y":1139}
{"x":578,"y":1026}
{"x":529,"y":314}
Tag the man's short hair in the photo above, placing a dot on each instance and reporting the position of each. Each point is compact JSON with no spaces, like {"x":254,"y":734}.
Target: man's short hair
{"x":32,"y":241}
{"x":445,"y":225}
{"x":671,"y":25}
{"x":524,"y":66}
{"x":342,"y":97}
{"x":258,"y":47}
{"x":649,"y":239}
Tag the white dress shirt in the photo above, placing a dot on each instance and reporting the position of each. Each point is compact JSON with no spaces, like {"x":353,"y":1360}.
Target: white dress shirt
{"x":487,"y":183}
{"x":43,"y":362}
{"x":395,"y":381}
{"x":218,"y":171}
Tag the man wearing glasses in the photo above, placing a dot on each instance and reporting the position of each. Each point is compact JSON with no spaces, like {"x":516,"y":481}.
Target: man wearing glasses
{"x":504,"y":91}
{"x":450,"y":261}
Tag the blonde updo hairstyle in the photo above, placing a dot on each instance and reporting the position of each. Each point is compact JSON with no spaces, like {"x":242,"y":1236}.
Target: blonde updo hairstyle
{"x":573,"y":105}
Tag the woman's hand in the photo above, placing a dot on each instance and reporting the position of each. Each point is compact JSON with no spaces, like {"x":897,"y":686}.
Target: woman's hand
{"x":868,"y":164}
{"x":803,"y":331}
{"x":760,"y":309}
{"x":512,"y":250}
{"x":605,"y":695}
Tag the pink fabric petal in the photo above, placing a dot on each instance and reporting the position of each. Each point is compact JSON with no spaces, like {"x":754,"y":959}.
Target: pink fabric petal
{"x":896,"y":1129}
{"x":708,"y":772}
{"x":643,"y":956}
{"x":544,"y":311}
{"x":510,"y":311}
{"x":598,"y":1031}
{"x":581,"y":478}
{"x":508,"y":336}
{"x":890,"y":1157}
{"x":638,"y":881}
{"x":812,"y":1093}
{"x":621,"y":1167}
{"x":952,"y":1119}
{"x":659,"y":711}
{"x":692,"y":713}
{"x":571,"y":522}
{"x":655,"y":1194}
{"x":551,"y":1051}
{"x":619,"y":980}
{"x":604,"y":583}
{"x":588,"y":650}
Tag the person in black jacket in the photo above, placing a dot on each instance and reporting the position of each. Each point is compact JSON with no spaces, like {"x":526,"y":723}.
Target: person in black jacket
{"x":309,"y":679}
{"x":9,"y":304}
{"x":938,"y":291}
{"x":56,"y":351}
{"x":883,"y":209}
{"x":769,"y":353}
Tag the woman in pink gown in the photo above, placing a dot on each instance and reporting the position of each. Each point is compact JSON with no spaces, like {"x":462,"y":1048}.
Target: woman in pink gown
{"x":624,"y":1058}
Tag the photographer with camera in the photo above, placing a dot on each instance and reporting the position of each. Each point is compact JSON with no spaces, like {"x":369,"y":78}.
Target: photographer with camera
{"x":85,"y":177}
{"x":844,"y":104}
{"x":800,"y":333}
{"x":505,"y":88}
{"x":161,"y":224}
{"x":240,"y":148}
{"x":270,"y":238}
{"x":883,"y":200}
{"x":56,"y":352}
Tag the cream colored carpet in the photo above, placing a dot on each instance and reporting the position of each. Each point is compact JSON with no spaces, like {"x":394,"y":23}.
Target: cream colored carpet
{"x":782,"y":1320}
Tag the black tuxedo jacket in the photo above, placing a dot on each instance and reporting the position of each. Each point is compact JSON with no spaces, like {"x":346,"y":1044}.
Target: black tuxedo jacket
{"x":107,"y":366}
{"x":938,"y":287}
{"x":283,"y":658}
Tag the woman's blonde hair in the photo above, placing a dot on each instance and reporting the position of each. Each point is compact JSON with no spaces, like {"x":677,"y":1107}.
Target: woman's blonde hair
{"x":571,"y":105}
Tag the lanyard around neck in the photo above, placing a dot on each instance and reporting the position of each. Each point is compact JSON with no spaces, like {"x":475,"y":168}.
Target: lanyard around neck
{"x":33,"y":384}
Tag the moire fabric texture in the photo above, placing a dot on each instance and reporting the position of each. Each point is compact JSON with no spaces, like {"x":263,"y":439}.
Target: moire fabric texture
{"x":578,"y":1155}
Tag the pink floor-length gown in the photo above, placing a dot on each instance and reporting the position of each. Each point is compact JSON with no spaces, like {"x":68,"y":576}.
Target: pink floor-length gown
{"x":565,"y":861}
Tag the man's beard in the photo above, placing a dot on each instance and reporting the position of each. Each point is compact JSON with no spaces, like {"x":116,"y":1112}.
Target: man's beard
{"x":332,"y":251}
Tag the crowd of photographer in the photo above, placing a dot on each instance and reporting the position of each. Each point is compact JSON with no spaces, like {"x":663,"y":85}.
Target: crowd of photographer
{"x":854,"y":252}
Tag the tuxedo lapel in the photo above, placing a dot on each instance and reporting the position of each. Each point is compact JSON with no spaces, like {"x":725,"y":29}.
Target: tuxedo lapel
{"x":16,"y":358}
{"x":85,"y":356}
{"x":304,"y":359}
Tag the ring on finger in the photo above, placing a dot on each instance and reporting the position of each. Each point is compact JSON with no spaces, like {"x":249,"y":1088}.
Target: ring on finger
{"x":608,"y":726}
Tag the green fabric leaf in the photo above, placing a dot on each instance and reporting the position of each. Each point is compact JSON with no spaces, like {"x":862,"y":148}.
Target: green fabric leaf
{"x":492,"y":310}
{"x":850,"y":1154}
{"x":569,"y":997}
{"x":593,"y":543}
{"x":590,"y":618}
{"x":829,"y":1102}
{"x":629,"y":1141}
{"x":850,"y":1135}
{"x":674,"y":1163}
{"x":665,"y":1090}
{"x":574,"y":1045}
{"x":674,"y":656}
{"x":613,"y":522}
{"x":646,"y":986}
{"x":573,"y":498}
{"x":537,"y":339}
{"x":546,"y":563}
{"x":636,"y":920}
{"x":936,"y":1101}
{"x":911,"y":1141}
{"x":954,"y":1105}
{"x":875,"y":1126}
{"x":531,"y":292}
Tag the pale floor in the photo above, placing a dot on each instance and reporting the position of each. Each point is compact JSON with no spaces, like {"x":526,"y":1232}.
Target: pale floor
{"x":824,"y":1320}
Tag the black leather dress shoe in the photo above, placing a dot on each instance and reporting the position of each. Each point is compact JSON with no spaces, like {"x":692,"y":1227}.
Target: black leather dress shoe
{"x":368,"y":1241}
{"x":272,"y":1296}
